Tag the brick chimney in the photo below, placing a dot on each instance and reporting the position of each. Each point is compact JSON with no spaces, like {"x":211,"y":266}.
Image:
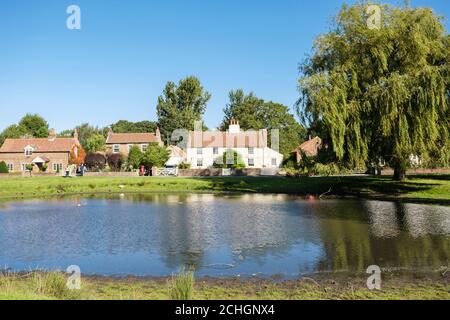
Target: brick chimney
{"x":75,"y":134}
{"x":52,"y":135}
{"x":158,"y":134}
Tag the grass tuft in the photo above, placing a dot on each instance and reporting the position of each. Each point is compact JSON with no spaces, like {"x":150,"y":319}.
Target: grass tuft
{"x":181,"y":285}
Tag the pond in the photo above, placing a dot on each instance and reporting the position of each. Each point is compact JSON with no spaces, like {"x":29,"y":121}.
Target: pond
{"x":265,"y":235}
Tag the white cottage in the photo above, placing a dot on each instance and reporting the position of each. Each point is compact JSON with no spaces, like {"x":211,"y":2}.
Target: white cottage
{"x":206,"y":147}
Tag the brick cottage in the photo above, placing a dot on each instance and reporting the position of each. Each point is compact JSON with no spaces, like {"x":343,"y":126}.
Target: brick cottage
{"x":52,"y":153}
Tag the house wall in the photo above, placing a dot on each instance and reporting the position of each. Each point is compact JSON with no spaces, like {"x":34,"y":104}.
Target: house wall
{"x":17,"y":159}
{"x":262,"y":157}
{"x":123,"y":147}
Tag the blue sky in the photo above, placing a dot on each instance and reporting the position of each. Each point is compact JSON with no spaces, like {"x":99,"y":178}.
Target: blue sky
{"x":117,"y":65}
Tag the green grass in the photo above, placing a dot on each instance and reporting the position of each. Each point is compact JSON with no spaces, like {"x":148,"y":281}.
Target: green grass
{"x":181,"y":286}
{"x":431,"y":187}
{"x":25,"y":287}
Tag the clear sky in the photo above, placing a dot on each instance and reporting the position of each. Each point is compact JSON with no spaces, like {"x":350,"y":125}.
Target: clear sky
{"x":117,"y":65}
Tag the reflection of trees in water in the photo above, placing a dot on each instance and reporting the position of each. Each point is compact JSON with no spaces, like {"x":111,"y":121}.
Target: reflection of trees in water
{"x":245,"y":226}
{"x":399,"y":235}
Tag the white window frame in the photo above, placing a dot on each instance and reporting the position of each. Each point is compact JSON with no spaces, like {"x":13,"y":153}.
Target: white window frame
{"x":24,"y":167}
{"x":274,"y":162}
{"x":10,"y":167}
{"x":57,"y":166}
{"x":199,"y":151}
{"x":116,"y":146}
{"x":129,"y":147}
{"x":251,"y":150}
{"x":144,"y":147}
{"x":199,"y":162}
{"x":252,"y":163}
{"x":214,"y":151}
{"x":28,"y":151}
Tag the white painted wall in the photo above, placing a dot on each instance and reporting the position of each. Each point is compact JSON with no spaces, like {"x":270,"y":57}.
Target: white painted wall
{"x":262,"y":157}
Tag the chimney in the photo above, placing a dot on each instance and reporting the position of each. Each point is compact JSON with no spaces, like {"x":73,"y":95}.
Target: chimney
{"x":75,"y":134}
{"x":158,"y":134}
{"x":52,"y":135}
{"x":234,"y":126}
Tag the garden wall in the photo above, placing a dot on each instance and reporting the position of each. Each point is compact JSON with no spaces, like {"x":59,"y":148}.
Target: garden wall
{"x":214,"y":172}
{"x":111,"y":174}
{"x":412,"y":172}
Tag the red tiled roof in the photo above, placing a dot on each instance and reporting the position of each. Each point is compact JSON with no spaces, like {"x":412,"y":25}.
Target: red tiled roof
{"x":213,"y":139}
{"x":310,"y":147}
{"x":122,"y":138}
{"x":39,"y":145}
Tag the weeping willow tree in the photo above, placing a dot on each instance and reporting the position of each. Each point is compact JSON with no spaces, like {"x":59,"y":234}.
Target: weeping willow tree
{"x":380,"y":93}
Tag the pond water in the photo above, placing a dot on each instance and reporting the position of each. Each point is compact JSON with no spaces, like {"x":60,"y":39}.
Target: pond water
{"x":243,"y":235}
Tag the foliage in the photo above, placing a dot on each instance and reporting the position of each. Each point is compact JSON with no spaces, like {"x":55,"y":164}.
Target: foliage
{"x":135,"y":157}
{"x":65,"y":134}
{"x":35,"y":125}
{"x":155,"y":156}
{"x":181,"y":105}
{"x":95,"y":161}
{"x":124,"y":126}
{"x":29,"y":167}
{"x":184,"y":165}
{"x":181,"y":286}
{"x":44,"y":168}
{"x":115,"y":161}
{"x":86,"y":131}
{"x":77,"y":155}
{"x":230,"y":159}
{"x":31,"y":125}
{"x":52,"y":284}
{"x":95,"y":143}
{"x":3,"y":167}
{"x":380,"y":93}
{"x":254,"y":114}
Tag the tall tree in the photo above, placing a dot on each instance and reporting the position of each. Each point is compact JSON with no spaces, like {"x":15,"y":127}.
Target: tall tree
{"x":181,"y":105}
{"x":86,"y":131}
{"x":254,"y":113}
{"x":124,"y":126}
{"x":35,"y":125}
{"x":380,"y":92}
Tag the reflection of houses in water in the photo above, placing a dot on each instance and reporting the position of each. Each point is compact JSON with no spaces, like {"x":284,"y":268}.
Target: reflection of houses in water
{"x":242,"y":225}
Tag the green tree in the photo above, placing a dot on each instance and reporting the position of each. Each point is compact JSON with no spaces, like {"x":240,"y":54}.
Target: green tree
{"x":380,"y":93}
{"x":124,"y":126}
{"x":87,"y":131}
{"x":181,"y":105}
{"x":95,"y":143}
{"x":254,"y":114}
{"x":230,"y":159}
{"x":35,"y":125}
{"x":155,"y":156}
{"x":12,"y":132}
{"x":135,"y":157}
{"x":3,"y":167}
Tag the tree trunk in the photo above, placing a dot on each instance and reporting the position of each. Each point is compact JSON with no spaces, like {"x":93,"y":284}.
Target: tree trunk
{"x":399,"y":174}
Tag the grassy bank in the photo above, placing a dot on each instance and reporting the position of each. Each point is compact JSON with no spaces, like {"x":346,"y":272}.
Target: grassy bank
{"x":52,"y":286}
{"x":433,"y":187}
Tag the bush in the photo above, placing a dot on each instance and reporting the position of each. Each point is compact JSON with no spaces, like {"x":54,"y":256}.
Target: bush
{"x":181,"y":286}
{"x":184,"y":165}
{"x":325,"y":169}
{"x":95,"y":161}
{"x":52,"y":284}
{"x":135,"y":157}
{"x":115,"y":161}
{"x":3,"y":167}
{"x":223,"y":162}
{"x":155,"y":156}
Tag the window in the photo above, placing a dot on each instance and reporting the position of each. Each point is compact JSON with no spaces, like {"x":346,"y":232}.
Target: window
{"x":274,"y":161}
{"x":199,"y":162}
{"x":57,"y":167}
{"x":129,"y":147}
{"x":251,"y":162}
{"x":116,"y":148}
{"x":10,"y":167}
{"x":251,"y":150}
{"x":24,"y":167}
{"x":144,"y":147}
{"x":28,"y":151}
{"x":215,"y":150}
{"x":199,"y":151}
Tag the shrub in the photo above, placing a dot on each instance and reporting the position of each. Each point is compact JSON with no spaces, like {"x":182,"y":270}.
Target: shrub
{"x":155,"y":156}
{"x":44,"y":168}
{"x":181,"y":286}
{"x":184,"y":165}
{"x":3,"y":167}
{"x":224,"y":161}
{"x":325,"y":169}
{"x":95,"y":161}
{"x":115,"y":161}
{"x":135,"y":157}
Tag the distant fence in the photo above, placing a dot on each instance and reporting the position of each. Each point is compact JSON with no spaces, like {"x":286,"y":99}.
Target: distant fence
{"x":112,"y":174}
{"x":217,"y":172}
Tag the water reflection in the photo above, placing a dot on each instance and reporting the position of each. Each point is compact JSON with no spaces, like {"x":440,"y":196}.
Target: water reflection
{"x":222,"y":235}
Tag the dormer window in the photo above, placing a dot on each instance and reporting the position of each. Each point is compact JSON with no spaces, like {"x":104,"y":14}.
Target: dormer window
{"x":29,"y":151}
